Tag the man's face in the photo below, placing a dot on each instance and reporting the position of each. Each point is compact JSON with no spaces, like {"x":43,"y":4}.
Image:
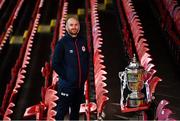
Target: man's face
{"x":72,"y":27}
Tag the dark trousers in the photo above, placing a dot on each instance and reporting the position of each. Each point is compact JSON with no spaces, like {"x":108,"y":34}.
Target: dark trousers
{"x":69,"y":98}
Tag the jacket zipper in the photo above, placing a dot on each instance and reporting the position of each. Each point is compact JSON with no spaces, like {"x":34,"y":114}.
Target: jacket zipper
{"x":79,"y":65}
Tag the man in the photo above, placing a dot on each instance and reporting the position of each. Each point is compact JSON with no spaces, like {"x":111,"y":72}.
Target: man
{"x":70,"y":62}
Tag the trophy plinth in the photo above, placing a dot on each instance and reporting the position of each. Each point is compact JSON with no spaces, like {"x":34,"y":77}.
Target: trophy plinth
{"x":135,"y":99}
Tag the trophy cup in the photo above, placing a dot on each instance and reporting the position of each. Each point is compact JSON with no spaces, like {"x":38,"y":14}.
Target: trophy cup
{"x":133,"y":77}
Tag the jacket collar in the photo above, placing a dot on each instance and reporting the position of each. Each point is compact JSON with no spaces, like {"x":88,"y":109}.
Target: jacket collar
{"x":70,"y":37}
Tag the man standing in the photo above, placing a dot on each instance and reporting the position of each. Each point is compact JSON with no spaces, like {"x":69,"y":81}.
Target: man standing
{"x":70,"y":62}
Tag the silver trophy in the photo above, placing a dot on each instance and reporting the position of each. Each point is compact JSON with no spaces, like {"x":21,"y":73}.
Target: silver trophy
{"x":133,"y":78}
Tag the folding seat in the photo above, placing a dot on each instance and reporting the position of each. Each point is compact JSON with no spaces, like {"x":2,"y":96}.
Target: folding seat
{"x":160,"y":106}
{"x":88,"y":106}
{"x":95,"y":19}
{"x":100,"y":75}
{"x":127,"y":8}
{"x":55,"y":78}
{"x":131,"y":16}
{"x":152,"y":83}
{"x":84,"y":107}
{"x":97,"y":61}
{"x":143,"y":40}
{"x":145,"y":62}
{"x":141,"y":49}
{"x":171,"y":8}
{"x":97,"y":41}
{"x":97,"y":46}
{"x":96,"y":24}
{"x":125,"y":1}
{"x":129,"y":3}
{"x":101,"y":84}
{"x":1,"y":3}
{"x":96,"y":32}
{"x":140,"y":41}
{"x":137,"y":35}
{"x":101,"y":101}
{"x":99,"y":67}
{"x":149,"y":75}
{"x":33,"y":111}
{"x":8,"y":112}
{"x":136,"y":23}
{"x":46,"y":71}
{"x":136,"y":27}
{"x":99,"y":50}
{"x":51,"y":115}
{"x":50,"y":97}
{"x":100,"y":93}
{"x":20,"y":79}
{"x":136,"y":20}
{"x":177,"y":19}
{"x":148,"y":66}
{"x":163,"y":113}
{"x":144,"y":58}
{"x":50,"y":102}
{"x":98,"y":54}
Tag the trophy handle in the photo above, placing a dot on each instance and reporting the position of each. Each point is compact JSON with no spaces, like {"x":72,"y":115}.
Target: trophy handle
{"x":122,"y":76}
{"x":123,"y":86}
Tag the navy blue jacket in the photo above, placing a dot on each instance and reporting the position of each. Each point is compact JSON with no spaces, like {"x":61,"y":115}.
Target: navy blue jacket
{"x":71,"y":61}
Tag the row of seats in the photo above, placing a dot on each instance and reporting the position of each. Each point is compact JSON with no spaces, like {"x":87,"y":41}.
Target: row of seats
{"x":127,"y":39}
{"x":169,"y":11}
{"x":45,"y":110}
{"x":99,"y":67}
{"x":49,"y":93}
{"x":1,"y":3}
{"x":173,"y":8}
{"x":51,"y":108}
{"x":15,"y":69}
{"x":10,"y":24}
{"x":19,"y":71}
{"x":5,"y":13}
{"x":91,"y":106}
{"x":137,"y":31}
{"x":141,"y":46}
{"x":143,"y":54}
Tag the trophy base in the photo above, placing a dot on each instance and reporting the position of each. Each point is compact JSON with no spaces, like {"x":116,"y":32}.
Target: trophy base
{"x":135,"y":102}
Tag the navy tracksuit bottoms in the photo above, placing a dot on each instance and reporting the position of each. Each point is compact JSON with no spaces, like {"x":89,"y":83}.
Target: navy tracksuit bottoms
{"x":69,"y":98}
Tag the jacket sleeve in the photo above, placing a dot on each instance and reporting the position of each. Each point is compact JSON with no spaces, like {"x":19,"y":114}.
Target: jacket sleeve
{"x":58,"y":58}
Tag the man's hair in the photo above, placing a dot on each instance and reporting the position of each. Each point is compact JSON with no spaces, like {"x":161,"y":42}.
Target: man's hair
{"x":72,"y":16}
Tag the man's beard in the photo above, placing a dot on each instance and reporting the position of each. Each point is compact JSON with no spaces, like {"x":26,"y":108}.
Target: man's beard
{"x":73,"y":33}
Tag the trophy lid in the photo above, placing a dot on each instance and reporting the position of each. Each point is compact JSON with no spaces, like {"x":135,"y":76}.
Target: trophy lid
{"x":134,"y":64}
